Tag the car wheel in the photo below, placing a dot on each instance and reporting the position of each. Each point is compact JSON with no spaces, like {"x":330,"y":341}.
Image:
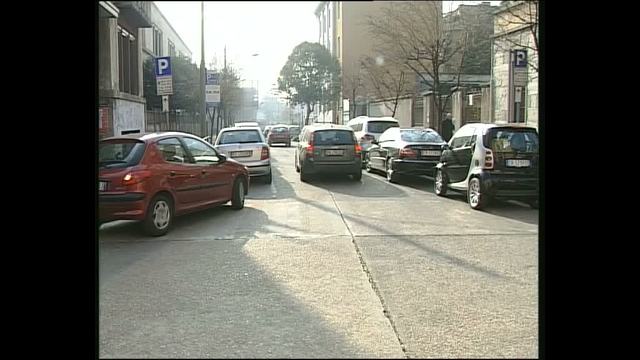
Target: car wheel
{"x":159,"y":216}
{"x":440,"y":183}
{"x":269,"y":178}
{"x":237,"y":199}
{"x":357,"y":176}
{"x":296,"y":164}
{"x":391,"y":174}
{"x":477,"y":200}
{"x":367,"y":164}
{"x":303,"y":177}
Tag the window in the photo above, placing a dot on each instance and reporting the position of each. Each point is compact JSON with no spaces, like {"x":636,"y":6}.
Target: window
{"x":510,"y":140}
{"x":172,"y":49}
{"x":379,"y":127}
{"x":420,"y":135}
{"x":240,"y":137}
{"x":333,"y":137}
{"x":172,"y":151}
{"x":157,"y":41}
{"x":120,"y":153}
{"x":127,"y":61}
{"x":200,"y":151}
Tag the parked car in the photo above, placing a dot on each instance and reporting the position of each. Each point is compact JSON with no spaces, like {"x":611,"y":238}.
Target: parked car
{"x":294,"y":132}
{"x":247,"y":146}
{"x":279,"y":134}
{"x":328,"y":149}
{"x":490,"y":161}
{"x":368,"y":129}
{"x":409,"y":151}
{"x":154,"y":177}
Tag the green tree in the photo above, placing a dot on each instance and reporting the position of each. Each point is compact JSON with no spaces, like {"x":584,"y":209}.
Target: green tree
{"x":186,"y":80}
{"x":311,"y":76}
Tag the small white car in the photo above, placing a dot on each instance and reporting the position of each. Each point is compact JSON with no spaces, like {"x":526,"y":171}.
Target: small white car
{"x":247,"y":146}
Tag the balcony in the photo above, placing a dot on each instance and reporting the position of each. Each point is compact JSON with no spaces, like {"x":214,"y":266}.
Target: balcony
{"x":136,"y":13}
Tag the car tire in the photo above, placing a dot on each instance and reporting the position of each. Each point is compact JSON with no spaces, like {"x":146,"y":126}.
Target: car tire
{"x":268,"y":179}
{"x":440,"y":183}
{"x":476,"y":199}
{"x":296,"y":164}
{"x":357,"y":176}
{"x":367,"y":166}
{"x":303,"y":177}
{"x":392,"y":177}
{"x":237,"y":198}
{"x":159,"y":217}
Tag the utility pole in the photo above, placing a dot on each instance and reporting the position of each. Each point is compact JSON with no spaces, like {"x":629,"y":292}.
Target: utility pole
{"x":203,"y":109}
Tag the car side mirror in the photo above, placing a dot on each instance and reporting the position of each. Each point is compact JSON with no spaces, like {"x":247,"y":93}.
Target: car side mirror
{"x":375,"y":142}
{"x":222,"y":158}
{"x":445,"y":147}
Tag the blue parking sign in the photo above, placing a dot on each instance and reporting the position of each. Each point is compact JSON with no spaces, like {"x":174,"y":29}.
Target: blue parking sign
{"x":520,"y":58}
{"x":163,"y":66}
{"x":213,"y":78}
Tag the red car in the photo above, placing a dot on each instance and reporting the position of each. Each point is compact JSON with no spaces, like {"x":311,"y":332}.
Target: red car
{"x":154,"y":177}
{"x":279,"y":135}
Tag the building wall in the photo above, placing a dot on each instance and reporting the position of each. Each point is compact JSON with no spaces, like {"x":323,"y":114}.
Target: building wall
{"x":168,"y":33}
{"x":403,"y":112}
{"x":501,"y":63}
{"x":127,"y":115}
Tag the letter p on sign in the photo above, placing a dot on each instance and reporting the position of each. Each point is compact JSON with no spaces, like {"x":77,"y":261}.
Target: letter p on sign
{"x":163,"y":66}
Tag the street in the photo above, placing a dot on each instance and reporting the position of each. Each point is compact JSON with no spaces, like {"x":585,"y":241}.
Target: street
{"x":328,"y":269}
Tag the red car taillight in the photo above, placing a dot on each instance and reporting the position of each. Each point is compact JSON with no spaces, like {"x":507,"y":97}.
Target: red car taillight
{"x":135,"y":177}
{"x":310,"y":146}
{"x":408,"y":153}
{"x":358,"y":150}
{"x":265,"y":153}
{"x":488,"y":160}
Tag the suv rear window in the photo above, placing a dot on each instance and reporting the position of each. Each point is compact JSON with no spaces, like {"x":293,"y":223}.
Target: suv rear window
{"x":502,"y":140}
{"x":240,"y":137}
{"x":120,"y":153}
{"x":333,"y":137}
{"x":379,"y":127}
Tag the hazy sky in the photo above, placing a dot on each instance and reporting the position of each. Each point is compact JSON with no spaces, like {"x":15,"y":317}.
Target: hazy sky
{"x":270,"y":29}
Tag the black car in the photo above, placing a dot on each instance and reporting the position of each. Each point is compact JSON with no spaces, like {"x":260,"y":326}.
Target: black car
{"x":328,"y":149}
{"x":490,"y":161}
{"x":410,"y":151}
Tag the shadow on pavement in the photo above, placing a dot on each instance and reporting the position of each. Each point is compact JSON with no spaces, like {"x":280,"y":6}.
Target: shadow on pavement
{"x":205,"y":299}
{"x":344,"y":184}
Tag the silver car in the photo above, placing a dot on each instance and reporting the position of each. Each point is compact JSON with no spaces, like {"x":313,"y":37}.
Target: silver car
{"x":247,"y":146}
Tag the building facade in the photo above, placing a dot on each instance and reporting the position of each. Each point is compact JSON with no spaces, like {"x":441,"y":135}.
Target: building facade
{"x":515,"y":96}
{"x":120,"y":85}
{"x":161,"y":39}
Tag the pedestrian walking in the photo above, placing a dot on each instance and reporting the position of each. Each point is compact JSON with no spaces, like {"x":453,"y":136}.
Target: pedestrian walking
{"x":447,"y":128}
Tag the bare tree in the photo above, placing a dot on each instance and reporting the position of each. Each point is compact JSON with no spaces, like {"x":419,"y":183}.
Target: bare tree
{"x":388,"y":82}
{"x":413,"y":34}
{"x":352,"y":84}
{"x":517,"y":27}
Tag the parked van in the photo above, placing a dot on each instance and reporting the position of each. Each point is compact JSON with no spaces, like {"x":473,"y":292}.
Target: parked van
{"x":369,"y":128}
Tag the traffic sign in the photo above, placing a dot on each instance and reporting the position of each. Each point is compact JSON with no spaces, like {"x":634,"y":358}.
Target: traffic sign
{"x":520,"y":58}
{"x":163,"y":66}
{"x":212,"y":88}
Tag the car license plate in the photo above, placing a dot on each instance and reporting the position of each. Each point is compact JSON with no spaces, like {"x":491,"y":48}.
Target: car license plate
{"x":430,"y":153}
{"x":102,"y":186}
{"x":334,"y":152}
{"x":237,"y":154}
{"x":518,"y":162}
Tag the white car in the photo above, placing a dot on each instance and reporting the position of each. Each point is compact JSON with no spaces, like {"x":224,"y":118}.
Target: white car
{"x":247,"y":146}
{"x":369,"y":128}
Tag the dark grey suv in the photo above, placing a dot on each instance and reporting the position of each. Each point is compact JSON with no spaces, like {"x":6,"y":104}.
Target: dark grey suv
{"x":328,"y":148}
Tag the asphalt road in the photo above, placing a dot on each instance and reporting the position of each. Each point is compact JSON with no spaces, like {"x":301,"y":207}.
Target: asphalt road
{"x":326,"y":269}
